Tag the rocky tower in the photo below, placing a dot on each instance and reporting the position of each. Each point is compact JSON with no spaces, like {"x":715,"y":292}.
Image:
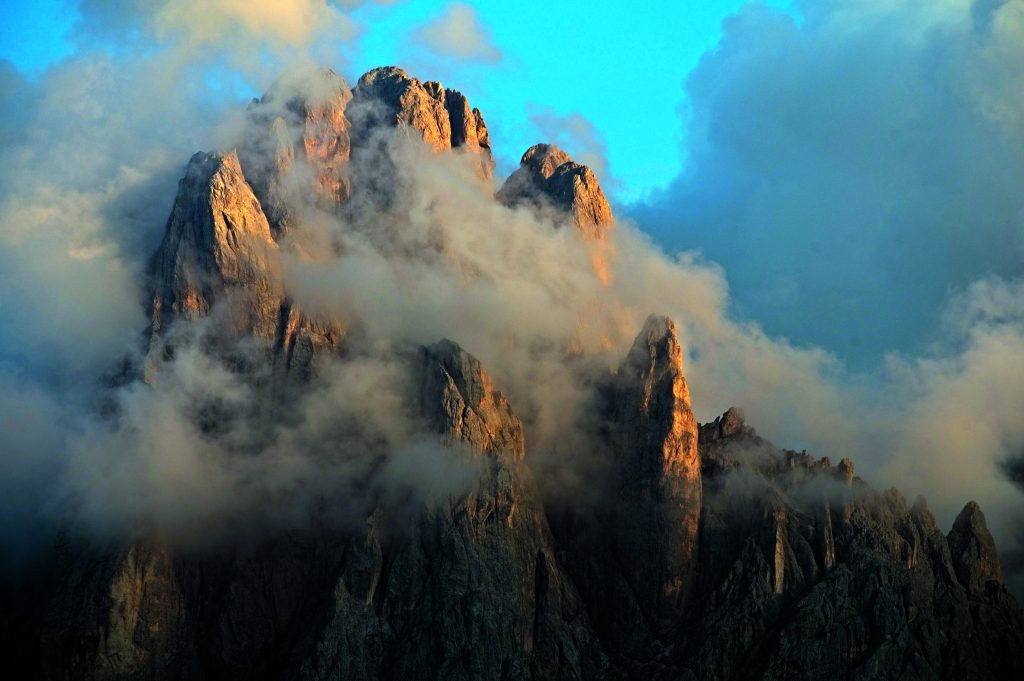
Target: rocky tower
{"x":441,"y":117}
{"x":548,"y":180}
{"x":548,"y":176}
{"x":217,"y":245}
{"x":657,"y":471}
{"x":297,"y":145}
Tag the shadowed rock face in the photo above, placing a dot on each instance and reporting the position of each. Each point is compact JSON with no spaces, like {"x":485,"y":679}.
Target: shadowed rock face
{"x":973,"y":550}
{"x":806,"y":572}
{"x":709,"y":553}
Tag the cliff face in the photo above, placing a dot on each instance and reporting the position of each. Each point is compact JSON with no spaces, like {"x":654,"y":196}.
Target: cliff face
{"x":217,"y":244}
{"x":705,"y":553}
{"x":548,"y":176}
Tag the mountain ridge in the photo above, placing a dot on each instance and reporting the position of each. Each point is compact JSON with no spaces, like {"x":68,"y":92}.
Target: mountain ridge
{"x":705,"y":553}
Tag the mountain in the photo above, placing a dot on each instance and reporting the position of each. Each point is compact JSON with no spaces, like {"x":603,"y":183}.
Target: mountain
{"x":698,"y":552}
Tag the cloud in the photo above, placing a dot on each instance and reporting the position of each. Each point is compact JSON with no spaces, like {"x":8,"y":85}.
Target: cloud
{"x":852,"y":169}
{"x":458,"y":33}
{"x":90,"y":171}
{"x":254,"y":38}
{"x":577,"y":136}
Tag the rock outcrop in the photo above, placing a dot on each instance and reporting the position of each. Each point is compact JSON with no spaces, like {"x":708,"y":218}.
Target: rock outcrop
{"x":549,"y":181}
{"x":548,"y":177}
{"x":657,"y":473}
{"x":805,"y":572}
{"x":217,"y":245}
{"x":441,"y":117}
{"x":704,"y":552}
{"x":298,"y":145}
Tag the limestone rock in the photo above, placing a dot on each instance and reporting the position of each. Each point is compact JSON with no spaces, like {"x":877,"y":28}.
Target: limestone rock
{"x":441,"y":117}
{"x":217,"y":247}
{"x":548,"y":176}
{"x":468,"y":587}
{"x":298,"y":145}
{"x":973,"y":550}
{"x":802,"y":575}
{"x":657,"y":470}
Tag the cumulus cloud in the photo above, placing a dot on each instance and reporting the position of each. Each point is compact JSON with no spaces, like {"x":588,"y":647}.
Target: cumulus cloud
{"x":458,"y":33}
{"x":853,"y":168}
{"x":576,"y":135}
{"x":233,"y":36}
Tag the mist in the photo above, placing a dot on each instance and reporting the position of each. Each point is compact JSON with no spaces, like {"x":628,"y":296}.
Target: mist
{"x":91,"y":161}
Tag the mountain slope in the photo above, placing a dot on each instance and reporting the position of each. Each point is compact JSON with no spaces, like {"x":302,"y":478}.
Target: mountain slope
{"x":701,"y":551}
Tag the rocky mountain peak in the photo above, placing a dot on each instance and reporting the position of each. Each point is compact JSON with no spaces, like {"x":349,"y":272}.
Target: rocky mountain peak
{"x":544,"y":159}
{"x":217,"y":241}
{"x":702,"y":553}
{"x":548,"y":177}
{"x":657,"y":470}
{"x":442,"y":117}
{"x":973,"y":549}
{"x":461,"y":402}
{"x":301,"y":117}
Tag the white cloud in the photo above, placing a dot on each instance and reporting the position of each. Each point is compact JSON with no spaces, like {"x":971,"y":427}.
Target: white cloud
{"x":458,"y":33}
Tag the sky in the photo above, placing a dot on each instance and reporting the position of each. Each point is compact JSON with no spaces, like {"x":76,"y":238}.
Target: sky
{"x":826,"y":194}
{"x":543,"y":71}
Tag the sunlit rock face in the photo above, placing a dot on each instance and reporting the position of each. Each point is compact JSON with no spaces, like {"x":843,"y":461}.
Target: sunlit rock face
{"x":657,"y":471}
{"x":217,"y":245}
{"x":548,"y":180}
{"x":441,"y":117}
{"x":700,"y":551}
{"x":300,"y":117}
{"x":547,"y":175}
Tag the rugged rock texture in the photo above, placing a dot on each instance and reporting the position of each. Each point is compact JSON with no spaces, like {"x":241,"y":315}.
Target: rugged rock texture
{"x":974,"y":551}
{"x":469,"y":588}
{"x":440,"y":116}
{"x":705,"y":553}
{"x":547,"y":176}
{"x":302,"y":117}
{"x":805,"y":572}
{"x":657,"y":474}
{"x":217,"y":245}
{"x":549,"y":180}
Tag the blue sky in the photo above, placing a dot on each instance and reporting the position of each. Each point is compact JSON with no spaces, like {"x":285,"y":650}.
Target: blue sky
{"x":618,"y":66}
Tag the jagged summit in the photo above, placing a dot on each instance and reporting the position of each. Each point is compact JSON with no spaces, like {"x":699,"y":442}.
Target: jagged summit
{"x":301,"y":117}
{"x":442,"y":117}
{"x":217,"y":241}
{"x":548,"y":175}
{"x":544,"y":159}
{"x":973,"y":549}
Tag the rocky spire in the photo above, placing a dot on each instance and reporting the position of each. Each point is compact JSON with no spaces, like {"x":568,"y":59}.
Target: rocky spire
{"x":442,"y":117}
{"x":470,"y":585}
{"x":973,"y":550}
{"x":548,"y":176}
{"x":458,"y":398}
{"x":302,"y":116}
{"x":217,"y":244}
{"x":657,"y":471}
